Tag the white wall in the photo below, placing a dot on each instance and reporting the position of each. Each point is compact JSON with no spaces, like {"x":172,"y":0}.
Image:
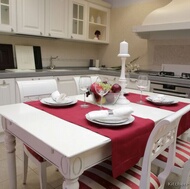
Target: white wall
{"x":153,"y":53}
{"x":70,"y":53}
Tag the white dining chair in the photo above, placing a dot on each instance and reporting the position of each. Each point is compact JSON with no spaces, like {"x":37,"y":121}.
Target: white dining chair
{"x":35,"y":90}
{"x":76,"y":78}
{"x":162,"y":136}
{"x":181,"y":165}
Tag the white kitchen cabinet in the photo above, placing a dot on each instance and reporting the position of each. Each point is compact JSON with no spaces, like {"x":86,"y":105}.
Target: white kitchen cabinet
{"x":42,"y":18}
{"x":56,"y":18}
{"x":66,"y":84}
{"x":7,"y":95}
{"x":30,"y":17}
{"x":7,"y":15}
{"x":88,"y":16}
{"x":77,"y":19}
{"x":26,"y":79}
{"x":99,"y":20}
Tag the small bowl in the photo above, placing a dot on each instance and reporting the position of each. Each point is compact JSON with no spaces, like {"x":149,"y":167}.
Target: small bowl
{"x":109,"y":98}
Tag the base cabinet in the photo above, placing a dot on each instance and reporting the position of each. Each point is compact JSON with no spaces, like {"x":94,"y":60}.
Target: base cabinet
{"x":7,"y":95}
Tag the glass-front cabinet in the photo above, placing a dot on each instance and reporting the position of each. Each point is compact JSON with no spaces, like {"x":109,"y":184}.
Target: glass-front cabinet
{"x":7,"y":15}
{"x":89,"y":20}
{"x":78,"y":19}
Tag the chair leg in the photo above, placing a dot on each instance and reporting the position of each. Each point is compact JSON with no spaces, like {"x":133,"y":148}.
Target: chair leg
{"x":25,"y":167}
{"x":42,"y":175}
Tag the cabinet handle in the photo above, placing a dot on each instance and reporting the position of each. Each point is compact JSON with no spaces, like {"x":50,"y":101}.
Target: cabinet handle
{"x":4,"y":82}
{"x":71,"y":37}
{"x":41,"y":33}
{"x":49,"y":34}
{"x":12,"y":30}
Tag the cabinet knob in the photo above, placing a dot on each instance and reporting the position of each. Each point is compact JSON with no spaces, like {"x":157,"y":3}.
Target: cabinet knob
{"x":4,"y":82}
{"x":41,"y":33}
{"x":58,"y":79}
{"x":71,"y":37}
{"x":12,"y":30}
{"x":49,"y":34}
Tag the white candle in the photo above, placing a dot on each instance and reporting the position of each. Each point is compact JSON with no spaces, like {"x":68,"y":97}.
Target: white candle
{"x":123,"y":48}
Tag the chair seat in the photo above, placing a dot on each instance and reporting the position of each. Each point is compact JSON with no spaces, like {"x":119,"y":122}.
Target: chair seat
{"x":37,"y":156}
{"x":182,"y":153}
{"x":100,"y":177}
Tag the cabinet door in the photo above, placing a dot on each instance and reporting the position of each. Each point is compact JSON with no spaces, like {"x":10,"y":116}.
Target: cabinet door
{"x":77,"y":19}
{"x":7,"y":15}
{"x":56,"y":18}
{"x":30,"y":17}
{"x":7,"y":93}
{"x":66,"y":84}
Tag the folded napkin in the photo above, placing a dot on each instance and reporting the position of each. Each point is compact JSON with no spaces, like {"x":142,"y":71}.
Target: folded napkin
{"x":161,"y":99}
{"x":116,"y":114}
{"x":57,"y":97}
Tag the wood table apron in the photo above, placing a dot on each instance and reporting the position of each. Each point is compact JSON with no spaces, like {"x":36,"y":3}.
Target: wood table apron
{"x":123,"y":139}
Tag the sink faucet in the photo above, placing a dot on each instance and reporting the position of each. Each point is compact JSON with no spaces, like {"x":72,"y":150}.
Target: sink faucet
{"x":52,"y":66}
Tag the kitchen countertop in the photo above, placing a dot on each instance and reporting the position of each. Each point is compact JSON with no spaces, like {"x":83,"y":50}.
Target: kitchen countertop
{"x":82,"y":71}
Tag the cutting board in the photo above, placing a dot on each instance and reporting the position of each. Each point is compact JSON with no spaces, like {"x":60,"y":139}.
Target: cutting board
{"x":24,"y":57}
{"x":6,"y":56}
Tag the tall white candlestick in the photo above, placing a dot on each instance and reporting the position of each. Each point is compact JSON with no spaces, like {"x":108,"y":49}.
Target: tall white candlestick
{"x":123,"y":48}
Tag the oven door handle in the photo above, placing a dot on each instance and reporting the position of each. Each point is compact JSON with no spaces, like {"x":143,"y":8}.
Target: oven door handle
{"x":168,"y":93}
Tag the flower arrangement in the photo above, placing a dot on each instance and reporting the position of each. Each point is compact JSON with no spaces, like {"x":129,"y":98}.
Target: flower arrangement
{"x":131,"y":66}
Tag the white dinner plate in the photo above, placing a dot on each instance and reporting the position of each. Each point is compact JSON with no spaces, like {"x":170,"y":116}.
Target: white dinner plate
{"x":50,"y":102}
{"x":166,"y":101}
{"x":112,"y":124}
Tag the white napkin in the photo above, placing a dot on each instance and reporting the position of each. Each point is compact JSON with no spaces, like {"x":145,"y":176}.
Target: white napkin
{"x":161,"y":99}
{"x":116,"y":114}
{"x":57,"y":97}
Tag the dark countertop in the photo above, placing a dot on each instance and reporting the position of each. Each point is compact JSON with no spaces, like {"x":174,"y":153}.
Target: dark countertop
{"x":82,"y":71}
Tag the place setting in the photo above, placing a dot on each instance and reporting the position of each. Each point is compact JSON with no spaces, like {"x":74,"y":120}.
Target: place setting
{"x":111,"y":118}
{"x":160,"y":99}
{"x":58,"y":99}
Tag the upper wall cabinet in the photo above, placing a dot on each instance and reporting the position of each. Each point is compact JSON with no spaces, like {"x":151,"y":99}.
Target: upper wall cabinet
{"x":44,"y":17}
{"x":77,"y":19}
{"x":56,"y":18}
{"x":7,"y":15}
{"x":30,"y":17}
{"x":89,"y":20}
{"x":98,"y":23}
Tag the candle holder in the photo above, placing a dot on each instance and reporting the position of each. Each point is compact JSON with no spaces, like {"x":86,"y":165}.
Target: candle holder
{"x":122,"y":80}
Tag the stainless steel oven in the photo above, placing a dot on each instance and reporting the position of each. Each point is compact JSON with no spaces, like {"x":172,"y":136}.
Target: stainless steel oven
{"x":170,"y":89}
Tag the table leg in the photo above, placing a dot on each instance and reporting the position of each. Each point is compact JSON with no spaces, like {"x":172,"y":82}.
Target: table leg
{"x":71,"y":184}
{"x":11,"y":160}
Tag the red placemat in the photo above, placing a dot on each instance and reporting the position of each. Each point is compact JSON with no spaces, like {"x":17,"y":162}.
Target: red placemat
{"x":185,"y":120}
{"x":128,"y":142}
{"x":132,"y":97}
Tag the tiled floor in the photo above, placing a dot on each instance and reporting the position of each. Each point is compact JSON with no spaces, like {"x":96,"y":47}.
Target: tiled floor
{"x":54,"y":178}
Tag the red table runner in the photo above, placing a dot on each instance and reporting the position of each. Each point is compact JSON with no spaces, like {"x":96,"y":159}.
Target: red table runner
{"x":124,"y":139}
{"x":185,"y":120}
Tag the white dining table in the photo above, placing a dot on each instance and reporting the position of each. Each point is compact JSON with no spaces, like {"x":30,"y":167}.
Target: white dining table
{"x":71,"y":148}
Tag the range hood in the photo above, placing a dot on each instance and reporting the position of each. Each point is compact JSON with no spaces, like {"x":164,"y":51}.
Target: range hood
{"x":174,"y":17}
